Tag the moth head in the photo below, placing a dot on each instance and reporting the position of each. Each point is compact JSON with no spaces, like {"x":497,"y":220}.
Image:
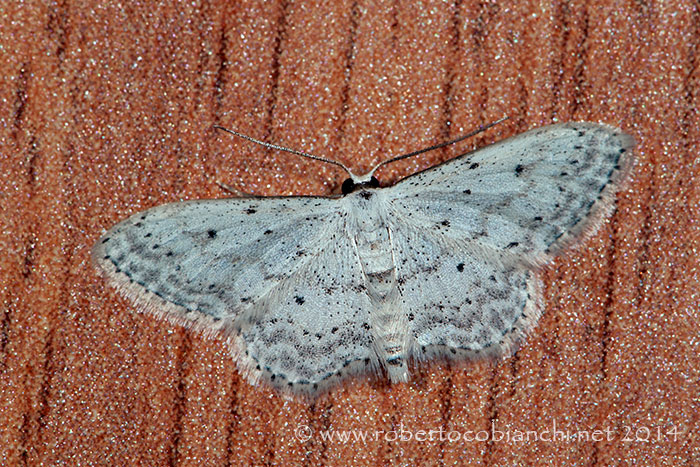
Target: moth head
{"x":350,"y":184}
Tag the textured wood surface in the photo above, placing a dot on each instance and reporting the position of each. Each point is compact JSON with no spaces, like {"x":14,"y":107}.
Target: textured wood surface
{"x":108,"y":110}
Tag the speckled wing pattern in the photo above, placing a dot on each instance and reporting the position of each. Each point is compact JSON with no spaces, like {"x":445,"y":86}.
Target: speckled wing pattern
{"x":471,"y":232}
{"x":310,"y":290}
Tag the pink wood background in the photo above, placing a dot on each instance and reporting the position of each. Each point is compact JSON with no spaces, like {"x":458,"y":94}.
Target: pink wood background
{"x":106,"y":110}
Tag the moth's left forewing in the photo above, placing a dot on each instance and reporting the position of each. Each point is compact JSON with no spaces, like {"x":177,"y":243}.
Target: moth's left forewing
{"x":526,"y":197}
{"x":204,"y":262}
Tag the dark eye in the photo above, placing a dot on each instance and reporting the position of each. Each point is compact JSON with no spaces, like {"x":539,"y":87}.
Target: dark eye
{"x":348,"y":186}
{"x":373,"y":182}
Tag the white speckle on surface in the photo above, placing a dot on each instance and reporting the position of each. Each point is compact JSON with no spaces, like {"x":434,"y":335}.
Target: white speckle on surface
{"x":311,"y":290}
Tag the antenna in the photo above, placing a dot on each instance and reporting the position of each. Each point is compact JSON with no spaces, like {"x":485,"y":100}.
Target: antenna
{"x":282,"y":148}
{"x":438,"y":146}
{"x":366,"y":177}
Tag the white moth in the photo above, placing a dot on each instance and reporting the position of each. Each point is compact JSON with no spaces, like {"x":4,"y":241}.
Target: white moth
{"x":310,"y":290}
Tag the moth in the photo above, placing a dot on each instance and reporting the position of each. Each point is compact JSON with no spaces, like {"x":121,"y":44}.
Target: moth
{"x":309,"y":290}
